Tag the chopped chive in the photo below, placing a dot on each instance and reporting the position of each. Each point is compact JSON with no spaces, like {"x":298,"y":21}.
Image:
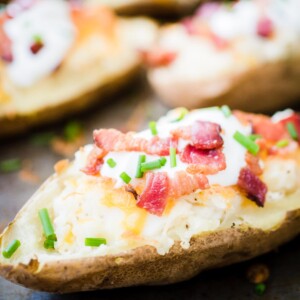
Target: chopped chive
{"x":173,"y":162}
{"x":292,"y":131}
{"x":226,"y":111}
{"x":47,"y":225}
{"x":11,"y":249}
{"x":94,"y":242}
{"x":282,"y":143}
{"x":151,"y":165}
{"x":183,"y":113}
{"x":10,"y":165}
{"x":260,"y":289}
{"x":163,"y":161}
{"x":152,"y":126}
{"x":111,"y":162}
{"x":72,"y":131}
{"x":48,"y":244}
{"x":139,"y":173}
{"x":42,"y":139}
{"x":245,"y":141}
{"x":254,"y":137}
{"x":125,"y":177}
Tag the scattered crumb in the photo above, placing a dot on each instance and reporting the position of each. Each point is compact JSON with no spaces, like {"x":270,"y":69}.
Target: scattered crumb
{"x":258,"y":273}
{"x":61,"y":165}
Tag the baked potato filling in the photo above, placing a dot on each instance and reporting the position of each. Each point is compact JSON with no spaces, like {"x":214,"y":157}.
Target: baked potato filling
{"x":190,"y":173}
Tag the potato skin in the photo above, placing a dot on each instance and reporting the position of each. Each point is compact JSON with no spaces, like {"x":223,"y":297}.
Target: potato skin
{"x":144,"y":266}
{"x":21,"y":123}
{"x":270,"y":87}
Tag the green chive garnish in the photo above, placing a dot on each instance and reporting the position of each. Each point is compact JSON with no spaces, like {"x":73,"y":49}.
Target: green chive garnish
{"x":282,"y":143}
{"x":183,"y":113}
{"x":152,"y":126}
{"x":139,"y":173}
{"x":226,"y":111}
{"x":42,"y":139}
{"x":292,"y":131}
{"x":163,"y":161}
{"x":254,"y":137}
{"x":72,"y":131}
{"x":245,"y":141}
{"x":94,"y":242}
{"x":10,"y":165}
{"x":11,"y":249}
{"x":173,"y":162}
{"x":47,"y":225}
{"x":260,"y":289}
{"x":125,"y":177}
{"x":151,"y":165}
{"x":111,"y":162}
{"x":48,"y":244}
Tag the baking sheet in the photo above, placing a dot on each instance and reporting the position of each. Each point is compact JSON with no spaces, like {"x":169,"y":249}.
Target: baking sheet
{"x":129,"y":112}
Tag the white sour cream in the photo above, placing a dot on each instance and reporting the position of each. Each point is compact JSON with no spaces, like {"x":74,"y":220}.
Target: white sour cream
{"x":50,"y":20}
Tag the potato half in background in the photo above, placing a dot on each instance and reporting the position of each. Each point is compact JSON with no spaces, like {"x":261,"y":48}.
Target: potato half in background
{"x":151,"y":7}
{"x":245,"y":54}
{"x":58,"y":58}
{"x":125,"y":212}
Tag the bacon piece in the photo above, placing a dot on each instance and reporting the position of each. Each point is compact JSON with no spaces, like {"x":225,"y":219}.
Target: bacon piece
{"x":265,"y":27}
{"x":201,"y":134}
{"x":5,"y":43}
{"x":155,"y":195}
{"x":158,"y":57}
{"x":253,"y":163}
{"x":256,"y":189}
{"x":203,"y":161}
{"x":114,"y":140}
{"x":184,"y":184}
{"x":94,"y":162}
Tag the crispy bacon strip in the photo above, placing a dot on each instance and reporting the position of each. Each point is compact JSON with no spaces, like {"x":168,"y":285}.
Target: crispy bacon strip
{"x":201,"y":134}
{"x":256,"y":189}
{"x":203,"y":161}
{"x":154,"y":196}
{"x":114,"y":140}
{"x":94,"y":162}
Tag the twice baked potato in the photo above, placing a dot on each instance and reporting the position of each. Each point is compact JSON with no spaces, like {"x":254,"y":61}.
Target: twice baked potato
{"x":244,"y":54}
{"x":196,"y":191}
{"x":149,"y":7}
{"x":60,"y":65}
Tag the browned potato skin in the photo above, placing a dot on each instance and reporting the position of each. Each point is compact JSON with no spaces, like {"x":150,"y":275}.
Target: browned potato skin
{"x":21,"y":123}
{"x":143,"y":266}
{"x":270,"y":87}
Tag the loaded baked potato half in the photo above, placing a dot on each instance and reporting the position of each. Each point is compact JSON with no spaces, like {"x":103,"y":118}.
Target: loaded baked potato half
{"x":151,"y":7}
{"x":244,"y":54}
{"x":58,"y":58}
{"x":195,"y":191}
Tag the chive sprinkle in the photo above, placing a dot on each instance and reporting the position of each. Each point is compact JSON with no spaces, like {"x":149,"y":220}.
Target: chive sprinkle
{"x":173,"y":162}
{"x":48,"y":244}
{"x":183,"y":113}
{"x":292,"y":131}
{"x":152,"y":126}
{"x":245,"y":141}
{"x":10,"y":165}
{"x":111,"y":162}
{"x":11,"y":249}
{"x":94,"y":242}
{"x":254,"y":137}
{"x":163,"y":161}
{"x":47,"y":225}
{"x":139,"y":173}
{"x":72,"y":131}
{"x":260,"y":289}
{"x":282,"y":143}
{"x":151,"y":165}
{"x":226,"y":111}
{"x":125,"y":177}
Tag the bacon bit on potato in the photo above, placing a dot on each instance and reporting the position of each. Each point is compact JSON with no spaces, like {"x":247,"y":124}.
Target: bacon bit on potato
{"x":61,"y":165}
{"x":253,"y":163}
{"x":158,"y":57}
{"x":258,"y":273}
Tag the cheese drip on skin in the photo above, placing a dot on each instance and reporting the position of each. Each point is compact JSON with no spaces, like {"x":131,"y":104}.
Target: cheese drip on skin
{"x":50,"y":20}
{"x":233,"y":151}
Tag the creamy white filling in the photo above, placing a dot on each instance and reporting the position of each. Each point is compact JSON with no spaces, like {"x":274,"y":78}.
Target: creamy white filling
{"x":50,"y":20}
